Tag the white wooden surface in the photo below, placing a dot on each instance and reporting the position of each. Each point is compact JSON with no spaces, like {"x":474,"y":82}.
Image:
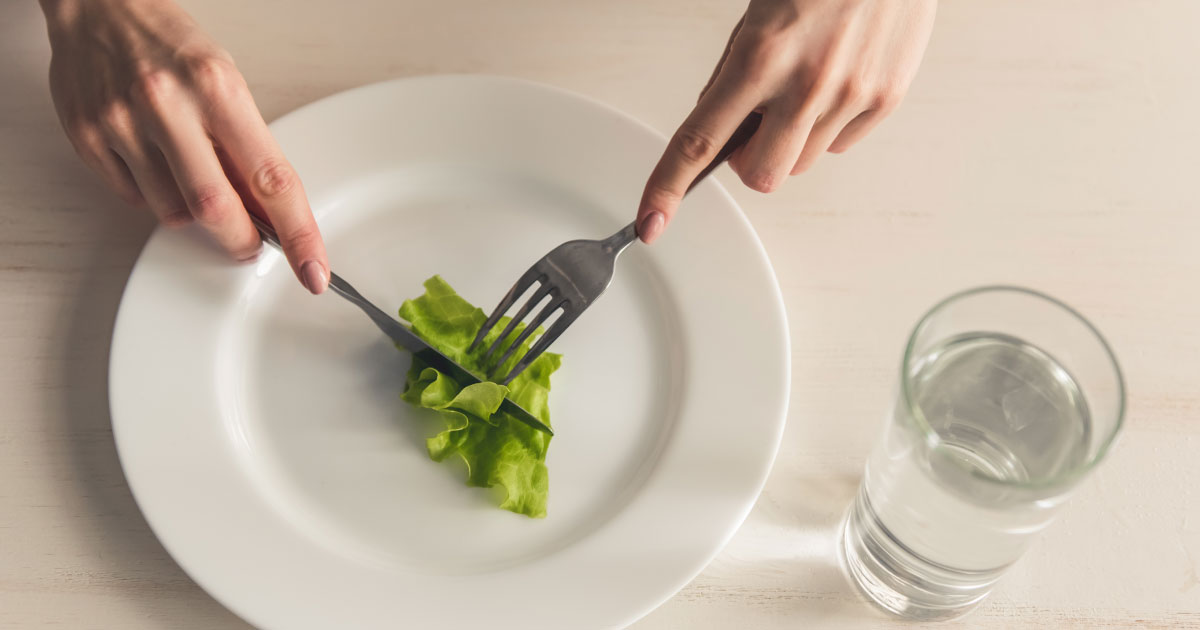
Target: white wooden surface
{"x":1049,"y":144}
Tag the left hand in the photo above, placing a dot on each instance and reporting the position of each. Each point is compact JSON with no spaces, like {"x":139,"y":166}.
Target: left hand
{"x":159,"y":110}
{"x":822,"y":72}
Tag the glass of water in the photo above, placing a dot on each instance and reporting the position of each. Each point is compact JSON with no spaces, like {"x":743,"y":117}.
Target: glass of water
{"x":1008,"y":398}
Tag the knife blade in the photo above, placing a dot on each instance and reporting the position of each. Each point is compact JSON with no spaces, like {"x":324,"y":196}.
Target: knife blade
{"x":407,"y":339}
{"x":402,"y":336}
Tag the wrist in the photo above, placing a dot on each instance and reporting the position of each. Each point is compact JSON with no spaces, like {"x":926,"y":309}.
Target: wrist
{"x":60,"y":13}
{"x":64,"y":15}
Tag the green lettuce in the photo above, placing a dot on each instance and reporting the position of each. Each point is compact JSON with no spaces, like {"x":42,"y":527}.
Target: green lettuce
{"x":499,"y":450}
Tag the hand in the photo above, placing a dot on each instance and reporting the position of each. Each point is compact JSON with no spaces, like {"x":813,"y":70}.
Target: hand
{"x":160,"y":111}
{"x":822,"y":72}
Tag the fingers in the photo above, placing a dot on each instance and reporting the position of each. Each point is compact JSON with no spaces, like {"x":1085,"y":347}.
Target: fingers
{"x":116,"y":173}
{"x":270,"y":184}
{"x":824,"y":132}
{"x":792,"y":142}
{"x":152,"y":176}
{"x":718,"y":114}
{"x":156,"y":184}
{"x":823,"y":74}
{"x":768,"y":158}
{"x":154,"y":104}
{"x":205,"y":188}
{"x":97,"y":154}
{"x":857,"y":129}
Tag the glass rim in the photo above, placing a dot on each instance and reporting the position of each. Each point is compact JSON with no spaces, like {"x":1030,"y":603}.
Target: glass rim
{"x":934,"y":440}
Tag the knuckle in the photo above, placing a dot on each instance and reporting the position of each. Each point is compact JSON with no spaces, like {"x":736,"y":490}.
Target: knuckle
{"x":154,"y":88}
{"x":764,"y":181}
{"x":854,"y":90}
{"x":115,"y":118}
{"x":274,"y":179}
{"x":212,"y":204}
{"x":215,"y":77}
{"x":86,"y":133}
{"x":694,"y":144}
{"x":889,"y":97}
{"x":301,"y":238}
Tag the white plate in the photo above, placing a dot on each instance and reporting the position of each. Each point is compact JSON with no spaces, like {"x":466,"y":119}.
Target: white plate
{"x":261,"y":431}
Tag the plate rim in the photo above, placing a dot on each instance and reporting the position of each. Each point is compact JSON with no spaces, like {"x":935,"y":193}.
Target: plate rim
{"x":776,"y":300}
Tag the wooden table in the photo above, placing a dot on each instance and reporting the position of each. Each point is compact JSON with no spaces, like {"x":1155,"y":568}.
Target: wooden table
{"x":1047,"y":144}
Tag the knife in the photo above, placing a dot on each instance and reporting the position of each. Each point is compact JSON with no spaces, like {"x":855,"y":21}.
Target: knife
{"x":402,"y":336}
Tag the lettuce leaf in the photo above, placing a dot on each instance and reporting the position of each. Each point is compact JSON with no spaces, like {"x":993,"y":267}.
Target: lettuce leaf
{"x":499,"y":450}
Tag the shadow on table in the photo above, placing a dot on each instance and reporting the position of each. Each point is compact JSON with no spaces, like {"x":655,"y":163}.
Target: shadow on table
{"x":120,"y":534}
{"x":813,"y":571}
{"x":82,"y":249}
{"x":110,"y":518}
{"x":79,"y":253}
{"x":785,"y":560}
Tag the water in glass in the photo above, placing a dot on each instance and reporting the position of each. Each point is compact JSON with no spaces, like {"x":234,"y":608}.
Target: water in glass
{"x":943,"y":509}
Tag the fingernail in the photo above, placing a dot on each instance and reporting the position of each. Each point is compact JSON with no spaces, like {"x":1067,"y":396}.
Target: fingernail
{"x":652,"y":226}
{"x":314,"y":277}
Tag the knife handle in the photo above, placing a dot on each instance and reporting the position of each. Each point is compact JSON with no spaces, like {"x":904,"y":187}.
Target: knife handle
{"x":265,"y":230}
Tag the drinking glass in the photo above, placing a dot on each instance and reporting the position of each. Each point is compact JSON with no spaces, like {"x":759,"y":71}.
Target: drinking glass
{"x":1008,"y":398}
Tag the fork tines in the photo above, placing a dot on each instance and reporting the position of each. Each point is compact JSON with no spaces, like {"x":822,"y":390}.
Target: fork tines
{"x":555,"y":303}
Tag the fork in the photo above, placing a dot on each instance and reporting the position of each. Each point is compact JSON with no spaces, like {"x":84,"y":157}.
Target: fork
{"x":405,"y":338}
{"x":573,"y":275}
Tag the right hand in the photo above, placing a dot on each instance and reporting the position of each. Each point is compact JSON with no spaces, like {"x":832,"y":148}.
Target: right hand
{"x":823,"y":73}
{"x":159,"y":110}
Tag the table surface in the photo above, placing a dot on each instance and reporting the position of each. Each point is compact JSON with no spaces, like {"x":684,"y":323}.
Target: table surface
{"x":1044,"y":144}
